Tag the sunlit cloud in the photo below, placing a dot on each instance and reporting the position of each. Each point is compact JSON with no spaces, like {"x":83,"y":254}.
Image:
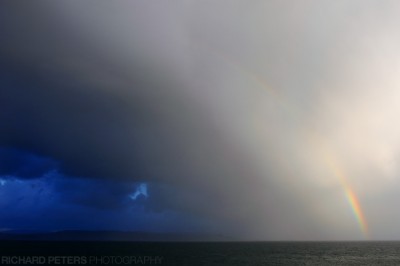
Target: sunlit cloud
{"x":141,"y":190}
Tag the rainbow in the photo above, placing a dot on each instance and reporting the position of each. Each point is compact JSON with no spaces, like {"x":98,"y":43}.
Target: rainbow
{"x":328,"y":155}
{"x":351,"y":196}
{"x":355,"y":205}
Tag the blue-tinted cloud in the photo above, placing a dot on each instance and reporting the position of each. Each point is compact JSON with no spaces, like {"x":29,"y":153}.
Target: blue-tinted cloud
{"x":141,"y":191}
{"x":60,"y":203}
{"x":22,"y":164}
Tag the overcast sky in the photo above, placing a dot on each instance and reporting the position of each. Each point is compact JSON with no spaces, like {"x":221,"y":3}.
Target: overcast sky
{"x":267,"y":120}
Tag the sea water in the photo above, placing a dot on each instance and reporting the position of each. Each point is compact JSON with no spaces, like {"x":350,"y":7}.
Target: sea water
{"x":203,"y":253}
{"x":290,"y":253}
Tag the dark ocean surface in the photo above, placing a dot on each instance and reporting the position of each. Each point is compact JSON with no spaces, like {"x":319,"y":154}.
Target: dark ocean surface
{"x":200,"y":253}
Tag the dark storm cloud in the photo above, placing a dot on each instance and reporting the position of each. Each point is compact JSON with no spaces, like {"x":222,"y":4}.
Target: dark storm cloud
{"x":94,"y":193}
{"x":39,"y":204}
{"x":222,"y":109}
{"x":104,"y":108}
{"x":19,"y":164}
{"x":62,"y":98}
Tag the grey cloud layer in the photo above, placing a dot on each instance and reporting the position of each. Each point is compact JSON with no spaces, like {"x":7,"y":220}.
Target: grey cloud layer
{"x":183,"y":94}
